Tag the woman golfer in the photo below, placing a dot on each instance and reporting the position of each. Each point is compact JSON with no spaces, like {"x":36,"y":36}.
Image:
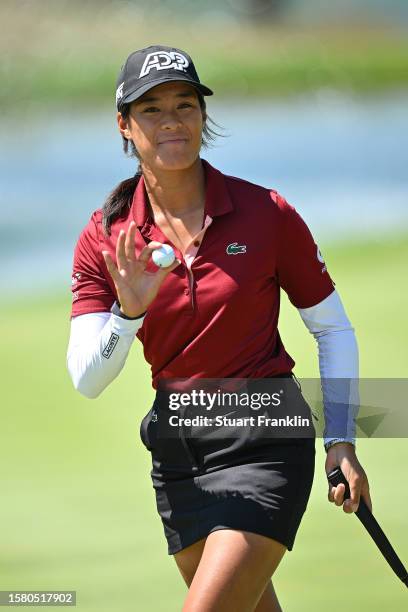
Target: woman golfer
{"x":230,"y":505}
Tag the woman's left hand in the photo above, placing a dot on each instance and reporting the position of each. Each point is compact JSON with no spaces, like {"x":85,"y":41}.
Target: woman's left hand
{"x":343,"y":454}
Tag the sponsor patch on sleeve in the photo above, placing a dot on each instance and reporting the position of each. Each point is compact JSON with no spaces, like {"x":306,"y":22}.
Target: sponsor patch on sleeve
{"x":110,"y":347}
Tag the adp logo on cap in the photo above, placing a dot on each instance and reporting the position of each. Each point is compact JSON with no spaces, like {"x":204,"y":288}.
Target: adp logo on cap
{"x":154,"y":65}
{"x":164,"y":60}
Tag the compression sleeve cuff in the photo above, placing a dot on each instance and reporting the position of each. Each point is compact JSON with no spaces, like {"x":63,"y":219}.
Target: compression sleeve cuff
{"x":338,"y":364}
{"x":98,"y":347}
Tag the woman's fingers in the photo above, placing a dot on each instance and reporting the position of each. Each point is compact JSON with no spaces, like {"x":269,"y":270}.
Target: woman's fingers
{"x":338,"y":494}
{"x":359,"y":487}
{"x":351,"y":504}
{"x":129,"y":274}
{"x":147,"y":251}
{"x":120,"y":251}
{"x":112,"y":269}
{"x":125,"y":254}
{"x":125,"y":251}
{"x":342,"y":455}
{"x":161,"y":273}
{"x":130,"y":242}
{"x":365,"y":494}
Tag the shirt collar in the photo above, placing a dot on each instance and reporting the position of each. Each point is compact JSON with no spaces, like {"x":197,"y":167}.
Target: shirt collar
{"x":217,"y":198}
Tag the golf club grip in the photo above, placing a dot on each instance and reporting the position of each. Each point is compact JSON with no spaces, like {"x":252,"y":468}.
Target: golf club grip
{"x":335,"y":477}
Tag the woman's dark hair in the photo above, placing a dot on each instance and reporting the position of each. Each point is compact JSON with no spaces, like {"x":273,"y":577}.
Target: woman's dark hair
{"x":120,"y":199}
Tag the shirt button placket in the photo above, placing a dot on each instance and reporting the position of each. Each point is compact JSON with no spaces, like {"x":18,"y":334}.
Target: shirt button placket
{"x":189,"y":290}
{"x":189,"y":257}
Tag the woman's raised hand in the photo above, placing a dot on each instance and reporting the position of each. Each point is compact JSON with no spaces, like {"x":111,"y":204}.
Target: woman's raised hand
{"x":136,"y":288}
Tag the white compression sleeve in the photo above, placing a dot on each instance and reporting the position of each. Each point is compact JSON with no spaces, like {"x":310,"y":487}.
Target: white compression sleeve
{"x":338,"y":364}
{"x":98,"y":346}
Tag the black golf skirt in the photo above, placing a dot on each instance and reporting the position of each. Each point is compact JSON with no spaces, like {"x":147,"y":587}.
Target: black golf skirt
{"x":244,"y":480}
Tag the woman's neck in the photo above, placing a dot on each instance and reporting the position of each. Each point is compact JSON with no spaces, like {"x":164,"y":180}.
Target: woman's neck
{"x":176,"y":192}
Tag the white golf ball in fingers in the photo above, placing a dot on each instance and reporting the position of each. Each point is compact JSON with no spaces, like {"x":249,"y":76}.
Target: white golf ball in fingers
{"x":164,"y":256}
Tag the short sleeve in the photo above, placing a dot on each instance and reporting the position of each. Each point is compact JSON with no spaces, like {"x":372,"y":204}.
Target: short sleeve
{"x":91,"y":291}
{"x":301,"y":269}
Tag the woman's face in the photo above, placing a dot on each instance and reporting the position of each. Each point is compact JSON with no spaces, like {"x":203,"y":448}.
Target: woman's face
{"x":166,"y":126}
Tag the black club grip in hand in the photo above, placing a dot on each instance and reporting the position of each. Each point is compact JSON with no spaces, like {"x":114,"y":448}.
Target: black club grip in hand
{"x":335,"y":477}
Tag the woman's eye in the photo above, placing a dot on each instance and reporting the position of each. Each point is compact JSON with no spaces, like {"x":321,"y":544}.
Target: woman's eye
{"x":154,"y":109}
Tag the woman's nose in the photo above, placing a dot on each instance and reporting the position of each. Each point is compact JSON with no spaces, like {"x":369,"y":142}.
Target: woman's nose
{"x":170,"y":120}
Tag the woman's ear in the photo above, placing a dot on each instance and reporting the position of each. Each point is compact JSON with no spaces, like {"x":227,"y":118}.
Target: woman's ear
{"x":123,"y":126}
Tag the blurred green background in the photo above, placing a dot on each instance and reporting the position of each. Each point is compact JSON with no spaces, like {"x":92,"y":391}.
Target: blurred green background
{"x":313,"y":99}
{"x":69,"y":52}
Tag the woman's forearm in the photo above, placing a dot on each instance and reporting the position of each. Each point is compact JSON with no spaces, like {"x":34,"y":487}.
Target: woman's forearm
{"x":98,"y":347}
{"x":338,"y":364}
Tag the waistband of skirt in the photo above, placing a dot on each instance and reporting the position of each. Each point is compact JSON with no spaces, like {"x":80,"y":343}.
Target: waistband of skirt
{"x":169,"y":386}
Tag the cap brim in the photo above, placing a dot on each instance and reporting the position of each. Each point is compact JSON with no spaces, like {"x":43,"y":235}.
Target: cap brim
{"x":131,"y":97}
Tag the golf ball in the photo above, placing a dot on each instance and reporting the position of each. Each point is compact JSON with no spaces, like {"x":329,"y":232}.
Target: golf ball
{"x":164,"y":256}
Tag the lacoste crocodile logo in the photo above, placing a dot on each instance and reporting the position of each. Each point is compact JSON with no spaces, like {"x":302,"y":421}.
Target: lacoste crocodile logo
{"x":234,"y":248}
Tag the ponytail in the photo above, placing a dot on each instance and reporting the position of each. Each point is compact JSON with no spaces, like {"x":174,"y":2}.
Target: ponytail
{"x":119,"y":201}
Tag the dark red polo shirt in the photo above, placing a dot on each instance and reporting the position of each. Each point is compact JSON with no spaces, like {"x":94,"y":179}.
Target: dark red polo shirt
{"x":216,"y":315}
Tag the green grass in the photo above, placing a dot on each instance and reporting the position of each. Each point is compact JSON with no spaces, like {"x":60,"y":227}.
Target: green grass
{"x":78,"y":509}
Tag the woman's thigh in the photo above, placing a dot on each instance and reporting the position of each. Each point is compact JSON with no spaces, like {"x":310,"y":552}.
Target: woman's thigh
{"x":188,"y":559}
{"x":234,"y":572}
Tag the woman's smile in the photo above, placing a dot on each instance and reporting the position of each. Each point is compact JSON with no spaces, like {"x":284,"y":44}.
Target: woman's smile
{"x":173,"y":141}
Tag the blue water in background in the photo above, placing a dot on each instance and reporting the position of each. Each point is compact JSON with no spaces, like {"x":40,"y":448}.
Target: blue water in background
{"x":341,"y":160}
